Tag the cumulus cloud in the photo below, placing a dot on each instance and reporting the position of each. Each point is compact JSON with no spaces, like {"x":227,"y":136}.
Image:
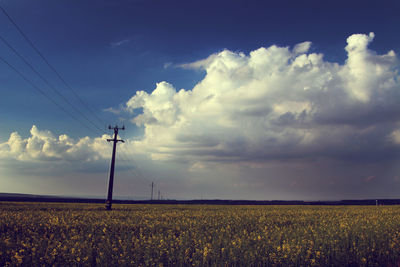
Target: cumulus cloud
{"x":43,"y":146}
{"x":276,"y":103}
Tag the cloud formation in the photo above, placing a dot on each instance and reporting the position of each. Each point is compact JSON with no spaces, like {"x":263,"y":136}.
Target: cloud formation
{"x":43,"y":146}
{"x":277,"y":103}
{"x":277,"y":123}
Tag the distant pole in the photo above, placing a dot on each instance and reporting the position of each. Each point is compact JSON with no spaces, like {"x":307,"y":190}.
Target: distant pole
{"x":111,"y":179}
{"x":158,"y":194}
{"x":152,"y":187}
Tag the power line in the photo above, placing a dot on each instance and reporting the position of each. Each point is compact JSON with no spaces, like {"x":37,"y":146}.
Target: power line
{"x":44,"y":94}
{"x":134,"y":163}
{"x":51,"y":66}
{"x":135,"y":171}
{"x":127,"y":158}
{"x":47,"y":82}
{"x":129,"y":168}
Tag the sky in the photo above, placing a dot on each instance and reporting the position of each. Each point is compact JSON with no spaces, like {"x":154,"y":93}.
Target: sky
{"x":259,"y":100}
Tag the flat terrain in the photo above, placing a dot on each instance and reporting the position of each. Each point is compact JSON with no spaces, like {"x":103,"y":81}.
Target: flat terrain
{"x":86,"y":234}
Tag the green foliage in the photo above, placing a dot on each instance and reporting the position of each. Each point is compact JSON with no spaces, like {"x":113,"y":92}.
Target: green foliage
{"x":148,"y":235}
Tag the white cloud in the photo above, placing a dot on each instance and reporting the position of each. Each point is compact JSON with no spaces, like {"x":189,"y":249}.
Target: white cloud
{"x":112,"y":110}
{"x":43,"y":146}
{"x":395,"y":137}
{"x":121,"y":42}
{"x":274,"y":103}
{"x":301,"y":48}
{"x":365,"y":72}
{"x":200,"y":64}
{"x":167,"y":65}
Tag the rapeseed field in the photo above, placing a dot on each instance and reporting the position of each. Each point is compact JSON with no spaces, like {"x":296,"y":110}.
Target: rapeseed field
{"x":37,"y":234}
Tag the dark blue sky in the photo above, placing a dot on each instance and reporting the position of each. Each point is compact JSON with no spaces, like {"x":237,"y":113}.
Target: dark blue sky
{"x":108,"y":50}
{"x":78,"y":37}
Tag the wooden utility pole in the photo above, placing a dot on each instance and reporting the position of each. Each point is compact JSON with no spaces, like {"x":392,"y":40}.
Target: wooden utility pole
{"x":152,"y":186}
{"x":111,"y":179}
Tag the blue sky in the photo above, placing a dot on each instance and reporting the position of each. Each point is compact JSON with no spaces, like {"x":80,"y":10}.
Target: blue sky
{"x":239,"y":129}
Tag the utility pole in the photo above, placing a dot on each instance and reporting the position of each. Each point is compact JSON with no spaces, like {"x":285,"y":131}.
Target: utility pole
{"x":152,"y":186}
{"x":158,"y":194}
{"x":111,"y":179}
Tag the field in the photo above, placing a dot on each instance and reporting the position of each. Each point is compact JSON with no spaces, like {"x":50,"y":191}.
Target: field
{"x":166,"y":235}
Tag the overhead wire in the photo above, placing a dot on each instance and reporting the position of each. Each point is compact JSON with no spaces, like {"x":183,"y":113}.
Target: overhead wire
{"x":47,"y":82}
{"x":124,"y":155}
{"x":44,"y":94}
{"x":126,"y":162}
{"x":136,"y":170}
{"x":50,"y":65}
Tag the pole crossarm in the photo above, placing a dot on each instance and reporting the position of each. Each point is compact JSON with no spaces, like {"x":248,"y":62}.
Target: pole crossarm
{"x":112,"y":140}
